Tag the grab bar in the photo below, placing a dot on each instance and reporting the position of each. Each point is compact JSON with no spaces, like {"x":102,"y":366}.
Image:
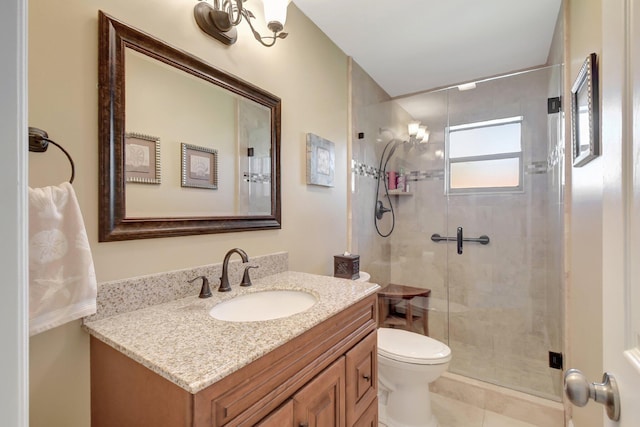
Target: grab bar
{"x":483,"y":240}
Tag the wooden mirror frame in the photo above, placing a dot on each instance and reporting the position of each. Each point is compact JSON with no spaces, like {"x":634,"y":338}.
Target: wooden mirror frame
{"x":115,"y":36}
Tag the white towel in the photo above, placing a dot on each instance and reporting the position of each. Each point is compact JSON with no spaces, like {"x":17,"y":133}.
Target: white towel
{"x":62,"y":280}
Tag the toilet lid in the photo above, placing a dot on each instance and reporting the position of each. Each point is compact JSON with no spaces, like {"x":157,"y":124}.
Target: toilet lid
{"x":409,"y":347}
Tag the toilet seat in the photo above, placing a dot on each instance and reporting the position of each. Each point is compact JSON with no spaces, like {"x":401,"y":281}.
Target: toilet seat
{"x":409,"y":347}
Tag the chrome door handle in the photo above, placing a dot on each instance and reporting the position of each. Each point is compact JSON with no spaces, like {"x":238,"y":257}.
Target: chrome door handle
{"x":579,"y":391}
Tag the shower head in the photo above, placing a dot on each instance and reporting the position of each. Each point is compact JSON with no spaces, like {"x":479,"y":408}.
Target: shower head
{"x":382,"y":131}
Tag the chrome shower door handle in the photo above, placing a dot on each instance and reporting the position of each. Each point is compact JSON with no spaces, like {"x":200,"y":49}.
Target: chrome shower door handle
{"x":579,"y":391}
{"x":459,"y":239}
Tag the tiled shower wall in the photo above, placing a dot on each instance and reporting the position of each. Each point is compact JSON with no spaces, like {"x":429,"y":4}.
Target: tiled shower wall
{"x":376,"y":119}
{"x":499,"y":307}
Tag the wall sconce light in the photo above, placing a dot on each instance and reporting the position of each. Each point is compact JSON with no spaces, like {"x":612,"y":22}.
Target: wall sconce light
{"x":220,"y":19}
{"x":413,"y":128}
{"x":418,"y":133}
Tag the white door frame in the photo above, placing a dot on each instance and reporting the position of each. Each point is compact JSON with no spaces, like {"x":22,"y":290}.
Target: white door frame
{"x":621,"y":239}
{"x":14,"y":322}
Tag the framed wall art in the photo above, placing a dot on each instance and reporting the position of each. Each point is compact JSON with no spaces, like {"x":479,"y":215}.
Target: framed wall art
{"x":585,"y":116}
{"x":199,"y":167}
{"x":142,"y":158}
{"x":321,"y":161}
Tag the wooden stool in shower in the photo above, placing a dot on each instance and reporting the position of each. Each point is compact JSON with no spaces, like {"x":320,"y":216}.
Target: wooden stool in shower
{"x":390,"y":296}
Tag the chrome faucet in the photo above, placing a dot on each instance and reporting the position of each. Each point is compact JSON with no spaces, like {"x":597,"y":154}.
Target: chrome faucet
{"x":224,"y":280}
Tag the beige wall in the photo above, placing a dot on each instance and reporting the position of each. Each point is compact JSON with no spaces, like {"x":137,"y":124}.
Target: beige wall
{"x":584,"y":258}
{"x":306,"y":71}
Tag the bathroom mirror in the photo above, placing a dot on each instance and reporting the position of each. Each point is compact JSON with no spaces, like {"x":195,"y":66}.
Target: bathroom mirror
{"x":185,"y":148}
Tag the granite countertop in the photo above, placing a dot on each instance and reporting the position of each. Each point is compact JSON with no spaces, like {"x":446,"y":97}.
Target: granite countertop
{"x":180,"y":341}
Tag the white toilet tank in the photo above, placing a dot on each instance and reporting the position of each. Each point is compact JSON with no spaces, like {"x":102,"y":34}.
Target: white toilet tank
{"x":364,"y":276}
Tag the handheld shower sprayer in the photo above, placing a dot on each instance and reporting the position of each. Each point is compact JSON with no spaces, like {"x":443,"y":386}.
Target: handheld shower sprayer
{"x":380,"y":209}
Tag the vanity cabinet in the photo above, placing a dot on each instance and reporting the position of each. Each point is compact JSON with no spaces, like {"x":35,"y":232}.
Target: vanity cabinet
{"x":281,"y":417}
{"x":319,"y":403}
{"x":345,"y":394}
{"x":325,"y":377}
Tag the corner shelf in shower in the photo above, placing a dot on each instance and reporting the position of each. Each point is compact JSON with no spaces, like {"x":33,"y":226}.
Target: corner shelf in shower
{"x":400,"y":193}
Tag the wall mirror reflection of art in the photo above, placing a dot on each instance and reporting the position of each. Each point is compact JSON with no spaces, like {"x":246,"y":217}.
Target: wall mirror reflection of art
{"x":585,"y":107}
{"x":199,"y":167}
{"x":321,"y":161}
{"x":142,"y":158}
{"x":146,"y":84}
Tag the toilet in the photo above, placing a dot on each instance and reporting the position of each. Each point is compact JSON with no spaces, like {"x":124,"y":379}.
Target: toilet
{"x":407,"y":363}
{"x":364,"y":276}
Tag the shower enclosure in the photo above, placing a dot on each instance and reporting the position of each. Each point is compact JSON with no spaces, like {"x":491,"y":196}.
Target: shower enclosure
{"x":490,"y":180}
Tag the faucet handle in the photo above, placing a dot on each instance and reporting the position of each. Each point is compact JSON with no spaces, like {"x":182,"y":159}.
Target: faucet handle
{"x":205,"y":291}
{"x":246,"y":280}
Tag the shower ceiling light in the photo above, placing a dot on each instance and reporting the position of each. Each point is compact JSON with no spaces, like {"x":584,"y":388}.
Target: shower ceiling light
{"x":220,"y":18}
{"x":467,"y":86}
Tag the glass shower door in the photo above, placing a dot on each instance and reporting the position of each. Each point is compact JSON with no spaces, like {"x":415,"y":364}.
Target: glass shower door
{"x":504,"y":278}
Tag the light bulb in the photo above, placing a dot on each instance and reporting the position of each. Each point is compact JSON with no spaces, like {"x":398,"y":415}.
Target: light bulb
{"x":276,"y":11}
{"x":413,"y":128}
{"x":425,"y":138}
{"x":420,"y":133}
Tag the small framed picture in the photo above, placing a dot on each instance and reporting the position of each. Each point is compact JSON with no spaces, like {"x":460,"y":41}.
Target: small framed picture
{"x":585,"y":118}
{"x":321,"y":161}
{"x":199,"y":167}
{"x":142,"y":158}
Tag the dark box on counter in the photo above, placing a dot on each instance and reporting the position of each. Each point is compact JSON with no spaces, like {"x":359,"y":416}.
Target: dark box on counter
{"x":346,"y":266}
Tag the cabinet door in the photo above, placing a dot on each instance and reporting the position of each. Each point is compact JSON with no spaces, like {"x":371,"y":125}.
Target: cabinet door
{"x":281,"y":417}
{"x":321,"y":402}
{"x":370,"y":416}
{"x":362,"y":377}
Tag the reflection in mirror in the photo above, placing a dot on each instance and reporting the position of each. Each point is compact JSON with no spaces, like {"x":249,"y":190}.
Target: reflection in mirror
{"x":227,"y":179}
{"x":187,"y":109}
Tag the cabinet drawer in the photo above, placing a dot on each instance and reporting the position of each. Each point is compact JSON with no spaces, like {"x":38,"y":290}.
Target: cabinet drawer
{"x":361,"y":377}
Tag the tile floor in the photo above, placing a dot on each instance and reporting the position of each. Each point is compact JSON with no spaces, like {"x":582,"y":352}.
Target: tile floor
{"x":454,"y":413}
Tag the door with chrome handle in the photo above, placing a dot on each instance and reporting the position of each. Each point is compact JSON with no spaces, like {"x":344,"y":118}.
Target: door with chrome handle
{"x":579,"y":391}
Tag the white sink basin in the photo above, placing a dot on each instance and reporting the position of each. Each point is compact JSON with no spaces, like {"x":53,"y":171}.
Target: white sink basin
{"x":265,"y":305}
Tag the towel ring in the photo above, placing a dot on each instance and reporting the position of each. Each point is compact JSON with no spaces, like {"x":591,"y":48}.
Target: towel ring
{"x":39,"y":142}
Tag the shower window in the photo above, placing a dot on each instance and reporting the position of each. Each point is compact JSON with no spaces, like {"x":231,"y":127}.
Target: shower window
{"x":485,"y":156}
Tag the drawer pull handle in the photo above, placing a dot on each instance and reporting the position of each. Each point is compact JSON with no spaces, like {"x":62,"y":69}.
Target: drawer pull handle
{"x":304,"y":424}
{"x":366,"y":377}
